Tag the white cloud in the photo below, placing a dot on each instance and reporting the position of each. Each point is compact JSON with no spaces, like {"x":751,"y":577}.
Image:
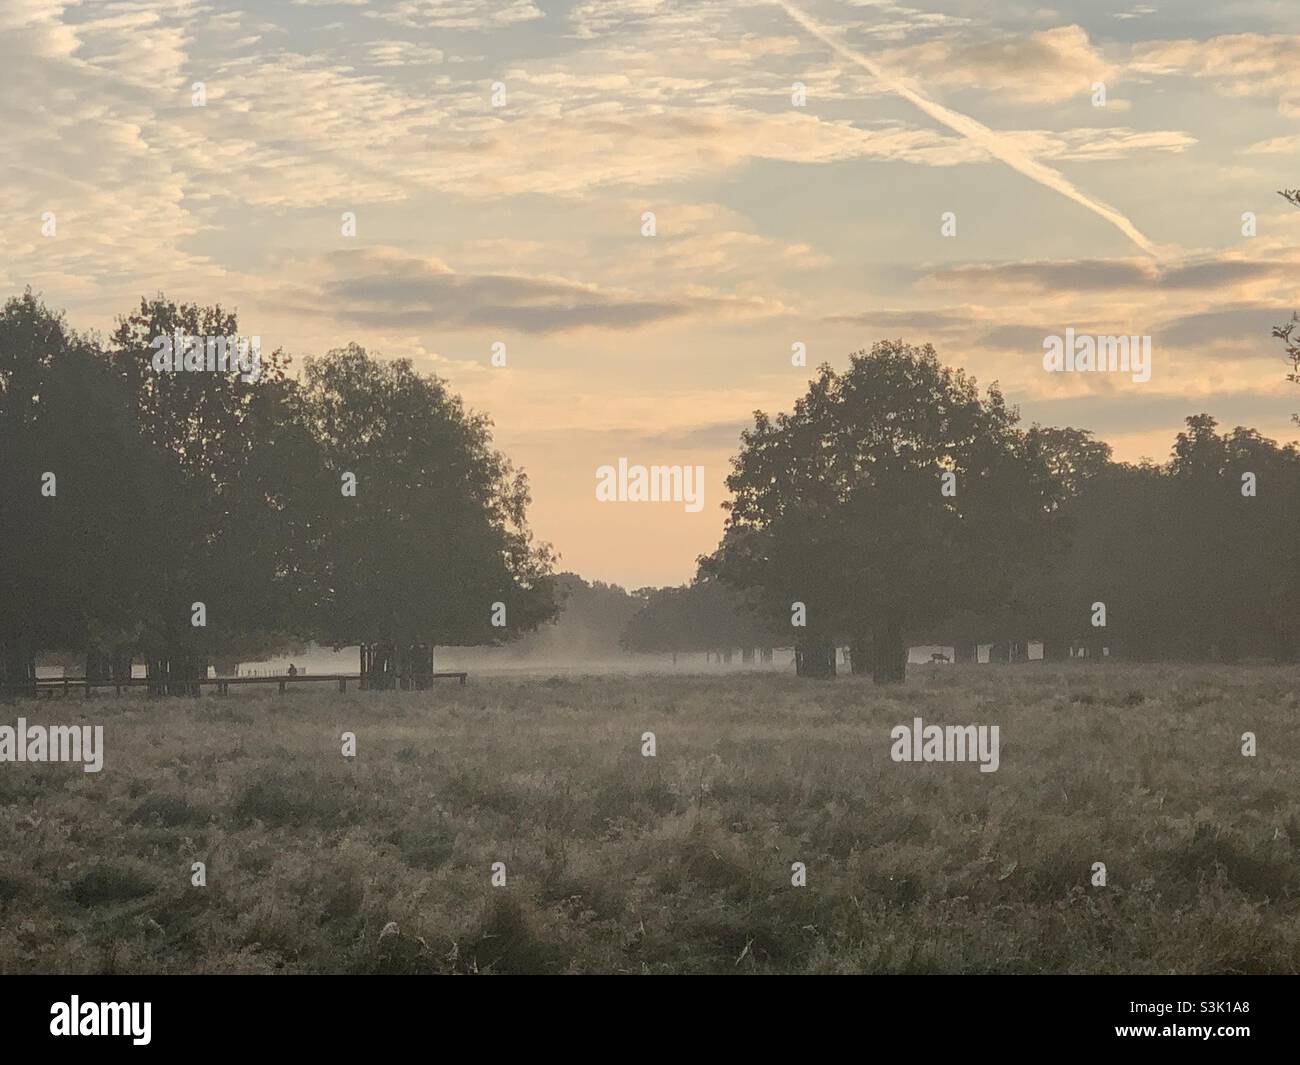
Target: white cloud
{"x":456,"y":14}
{"x":1035,"y":68}
{"x":1239,"y":65}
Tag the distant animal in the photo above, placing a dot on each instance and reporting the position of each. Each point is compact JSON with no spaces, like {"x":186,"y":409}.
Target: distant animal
{"x":939,"y":657}
{"x":293,"y":670}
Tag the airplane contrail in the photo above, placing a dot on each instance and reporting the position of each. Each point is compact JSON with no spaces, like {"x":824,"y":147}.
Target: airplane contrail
{"x":979,"y":133}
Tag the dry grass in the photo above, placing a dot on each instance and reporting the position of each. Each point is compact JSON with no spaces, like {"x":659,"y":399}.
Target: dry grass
{"x":679,"y":863}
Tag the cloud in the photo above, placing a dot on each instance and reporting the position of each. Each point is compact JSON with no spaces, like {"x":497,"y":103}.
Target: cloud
{"x":1094,"y":144}
{"x":1243,"y":331}
{"x":456,"y":14}
{"x":402,"y":54}
{"x":1113,"y":275}
{"x":1247,"y":327}
{"x":1017,"y":337}
{"x":78,"y":124}
{"x":383,"y":288}
{"x":1239,"y":64}
{"x":990,"y":140}
{"x":1289,"y":145}
{"x":904,"y":319}
{"x":1044,"y":67}
{"x":1137,"y":411}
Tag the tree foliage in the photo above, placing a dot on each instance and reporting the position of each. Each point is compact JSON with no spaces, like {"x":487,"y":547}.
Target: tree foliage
{"x":706,"y":615}
{"x":223,"y":488}
{"x":841,"y":506}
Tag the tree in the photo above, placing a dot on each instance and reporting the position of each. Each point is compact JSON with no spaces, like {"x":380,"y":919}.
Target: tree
{"x":433,"y":547}
{"x":228,"y":453}
{"x":1234,"y":510}
{"x":137,"y":499}
{"x":706,"y":615}
{"x":892,"y":495}
{"x":1286,"y":333}
{"x":1118,"y":556}
{"x":1048,"y":598}
{"x":70,"y":567}
{"x":1193,"y":559}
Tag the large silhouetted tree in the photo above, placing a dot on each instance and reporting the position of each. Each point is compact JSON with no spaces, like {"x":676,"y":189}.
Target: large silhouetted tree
{"x":131,"y":492}
{"x":893,"y":494}
{"x":1048,"y":598}
{"x":69,"y":566}
{"x":434,"y":546}
{"x":231,"y":454}
{"x":1233,"y":512}
{"x":1191,"y":559}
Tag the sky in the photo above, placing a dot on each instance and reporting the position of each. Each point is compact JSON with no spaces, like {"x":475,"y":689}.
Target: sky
{"x":1095,"y":163}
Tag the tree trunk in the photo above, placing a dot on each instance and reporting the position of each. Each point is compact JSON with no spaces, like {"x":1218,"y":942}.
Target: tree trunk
{"x":1020,"y":651}
{"x":888,"y":653}
{"x":860,"y":655}
{"x":1000,"y":652}
{"x":380,"y":666}
{"x":964,"y":651}
{"x":747,"y":656}
{"x":413,"y":664}
{"x":196,"y":668}
{"x":176,"y":673}
{"x":814,"y":658}
{"x":17,"y":670}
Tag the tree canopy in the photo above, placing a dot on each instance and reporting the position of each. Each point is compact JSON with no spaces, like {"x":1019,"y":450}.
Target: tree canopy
{"x":896,"y":503}
{"x":133,"y":494}
{"x":886,"y":499}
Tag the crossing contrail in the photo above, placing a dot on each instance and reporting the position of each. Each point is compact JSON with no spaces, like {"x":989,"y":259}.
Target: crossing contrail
{"x":990,"y":140}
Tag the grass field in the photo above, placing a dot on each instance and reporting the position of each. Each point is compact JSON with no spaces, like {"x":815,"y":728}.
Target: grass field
{"x":679,"y":863}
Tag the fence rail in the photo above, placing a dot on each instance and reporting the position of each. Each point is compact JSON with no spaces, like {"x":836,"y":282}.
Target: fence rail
{"x":222,"y":684}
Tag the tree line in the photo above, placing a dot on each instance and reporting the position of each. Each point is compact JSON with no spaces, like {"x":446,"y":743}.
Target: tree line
{"x":361,"y":503}
{"x":897,"y":503}
{"x":176,"y":517}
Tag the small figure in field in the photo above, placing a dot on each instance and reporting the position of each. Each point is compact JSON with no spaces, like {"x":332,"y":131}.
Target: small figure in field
{"x":293,"y":670}
{"x":939,"y":656}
